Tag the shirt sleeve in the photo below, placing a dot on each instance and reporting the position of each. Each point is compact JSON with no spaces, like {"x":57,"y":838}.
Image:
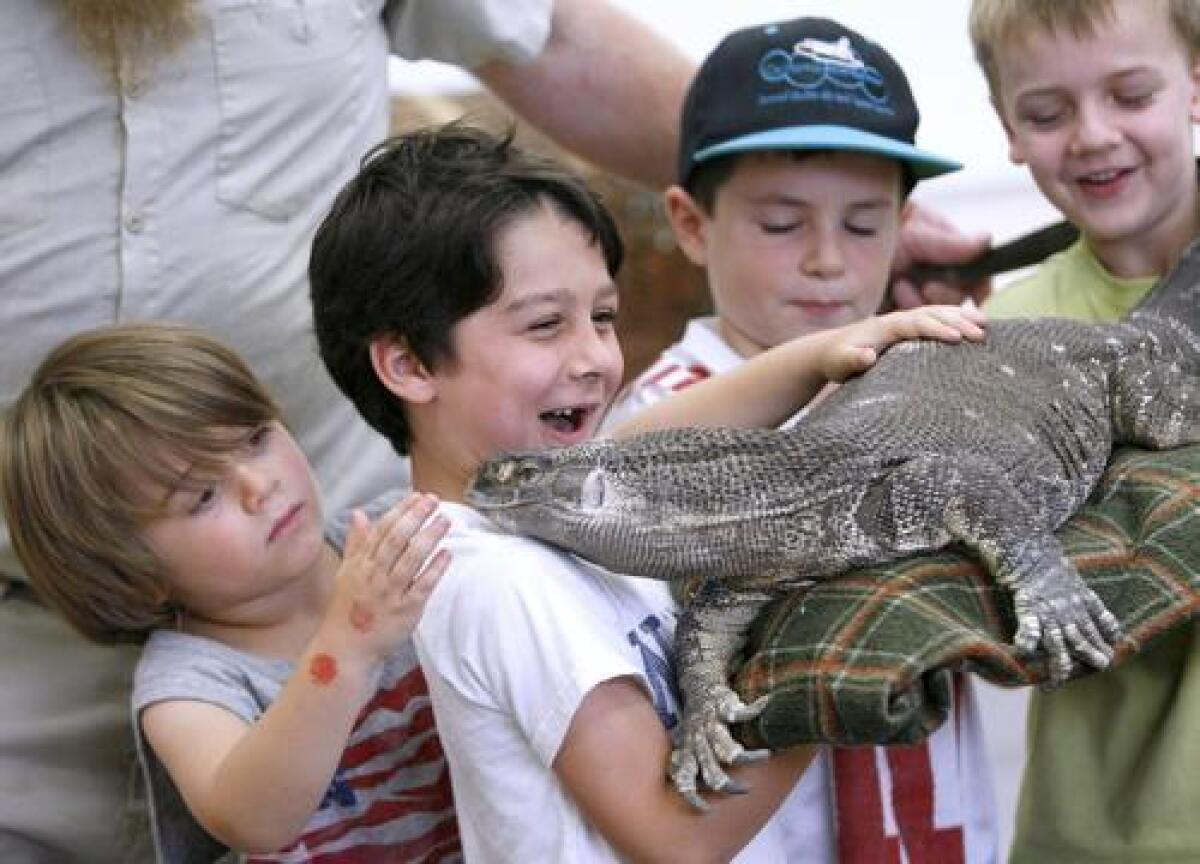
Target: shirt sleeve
{"x":514,"y":629}
{"x":468,"y":33}
{"x":173,"y":667}
{"x":178,"y":667}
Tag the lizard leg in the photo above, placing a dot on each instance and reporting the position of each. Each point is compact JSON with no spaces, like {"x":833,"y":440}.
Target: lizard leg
{"x":974,"y":503}
{"x":712,"y":630}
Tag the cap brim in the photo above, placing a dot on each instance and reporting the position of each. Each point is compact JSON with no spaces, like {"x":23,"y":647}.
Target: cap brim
{"x":922,"y":163}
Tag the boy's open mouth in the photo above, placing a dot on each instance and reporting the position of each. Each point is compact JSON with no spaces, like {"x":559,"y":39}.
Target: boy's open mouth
{"x":565,"y":420}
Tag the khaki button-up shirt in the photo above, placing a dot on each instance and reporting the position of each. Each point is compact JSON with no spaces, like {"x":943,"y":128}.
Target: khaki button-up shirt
{"x":189,"y":188}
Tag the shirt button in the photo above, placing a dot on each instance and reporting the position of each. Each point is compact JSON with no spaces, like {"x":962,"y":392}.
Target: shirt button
{"x":134,"y":224}
{"x":132,"y":89}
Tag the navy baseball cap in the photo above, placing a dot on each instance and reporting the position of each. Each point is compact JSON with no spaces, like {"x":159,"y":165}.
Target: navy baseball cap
{"x":804,"y":84}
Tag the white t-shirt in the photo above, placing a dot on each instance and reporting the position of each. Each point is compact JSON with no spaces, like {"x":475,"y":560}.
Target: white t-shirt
{"x":515,"y":636}
{"x":947,"y":778}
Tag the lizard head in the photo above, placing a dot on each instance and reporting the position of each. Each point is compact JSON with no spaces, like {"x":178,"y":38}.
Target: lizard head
{"x":665,"y":504}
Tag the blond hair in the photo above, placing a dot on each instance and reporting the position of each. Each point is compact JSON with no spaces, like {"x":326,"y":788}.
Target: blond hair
{"x":106,"y":419}
{"x":994,"y":22}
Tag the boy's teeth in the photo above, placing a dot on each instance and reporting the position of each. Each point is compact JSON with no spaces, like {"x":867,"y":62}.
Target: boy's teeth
{"x":565,"y":419}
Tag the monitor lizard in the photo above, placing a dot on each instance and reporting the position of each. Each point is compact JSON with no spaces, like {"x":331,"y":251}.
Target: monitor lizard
{"x":991,"y":445}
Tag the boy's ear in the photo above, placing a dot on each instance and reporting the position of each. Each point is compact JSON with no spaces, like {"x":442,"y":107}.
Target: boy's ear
{"x":399,"y":370}
{"x":689,"y":223}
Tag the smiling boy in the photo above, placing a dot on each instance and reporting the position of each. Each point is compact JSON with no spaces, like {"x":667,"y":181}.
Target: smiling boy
{"x":1099,"y":99}
{"x":465,"y":300}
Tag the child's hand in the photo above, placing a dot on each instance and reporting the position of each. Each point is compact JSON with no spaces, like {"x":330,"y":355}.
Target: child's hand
{"x":388,"y":572}
{"x":855,"y":347}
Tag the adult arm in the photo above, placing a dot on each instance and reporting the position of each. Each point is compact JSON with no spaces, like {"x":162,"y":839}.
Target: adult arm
{"x":927,"y":237}
{"x":605,"y":86}
{"x":613,"y":762}
{"x":769,"y":388}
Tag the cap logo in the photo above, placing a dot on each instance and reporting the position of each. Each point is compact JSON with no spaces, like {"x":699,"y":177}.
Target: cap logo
{"x":824,"y":71}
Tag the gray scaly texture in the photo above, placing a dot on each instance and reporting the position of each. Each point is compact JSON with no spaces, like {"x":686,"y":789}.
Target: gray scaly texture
{"x":991,"y":445}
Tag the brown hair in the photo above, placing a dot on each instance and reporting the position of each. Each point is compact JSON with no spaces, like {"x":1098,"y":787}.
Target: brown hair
{"x":107,"y":418}
{"x":995,"y":21}
{"x":409,"y":249}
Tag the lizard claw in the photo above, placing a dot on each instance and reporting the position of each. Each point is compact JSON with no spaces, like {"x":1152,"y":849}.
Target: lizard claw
{"x":732,"y":709}
{"x":706,"y":745}
{"x":683,"y":773}
{"x":1055,"y":609}
{"x":745,"y":757}
{"x":1107,"y":622}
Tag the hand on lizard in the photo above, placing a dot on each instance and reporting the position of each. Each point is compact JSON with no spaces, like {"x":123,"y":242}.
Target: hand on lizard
{"x":855,"y":347}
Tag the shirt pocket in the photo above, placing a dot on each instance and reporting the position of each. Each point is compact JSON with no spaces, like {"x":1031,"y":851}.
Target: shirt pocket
{"x":290,"y":82}
{"x":24,"y":137}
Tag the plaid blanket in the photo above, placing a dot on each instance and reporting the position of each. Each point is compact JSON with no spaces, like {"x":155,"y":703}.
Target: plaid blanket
{"x":868,"y":658}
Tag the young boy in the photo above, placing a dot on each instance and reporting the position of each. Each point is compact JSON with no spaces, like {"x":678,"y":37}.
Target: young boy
{"x":465,"y":301}
{"x":797,"y":156}
{"x":1098,"y":98}
{"x":153,"y":495}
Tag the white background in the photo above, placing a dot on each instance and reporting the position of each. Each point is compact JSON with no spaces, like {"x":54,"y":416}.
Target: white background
{"x":929,"y":40}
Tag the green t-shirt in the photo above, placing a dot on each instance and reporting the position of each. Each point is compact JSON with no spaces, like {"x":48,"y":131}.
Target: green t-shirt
{"x":1112,"y":772}
{"x":1071,"y":284}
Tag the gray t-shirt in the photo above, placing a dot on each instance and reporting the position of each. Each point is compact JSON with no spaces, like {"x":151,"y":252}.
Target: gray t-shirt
{"x":391,"y":788}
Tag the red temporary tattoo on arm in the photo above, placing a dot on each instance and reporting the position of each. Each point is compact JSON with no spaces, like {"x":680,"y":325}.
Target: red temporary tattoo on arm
{"x":362,"y":619}
{"x":322,"y":669}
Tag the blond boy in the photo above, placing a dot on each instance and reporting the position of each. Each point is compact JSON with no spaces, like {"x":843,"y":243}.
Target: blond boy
{"x":1098,"y":98}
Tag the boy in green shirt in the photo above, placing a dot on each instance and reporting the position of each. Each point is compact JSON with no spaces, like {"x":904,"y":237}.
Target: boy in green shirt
{"x":1098,"y":98}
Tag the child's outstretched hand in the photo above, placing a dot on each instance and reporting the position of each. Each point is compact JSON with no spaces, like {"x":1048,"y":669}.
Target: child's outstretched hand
{"x":388,"y":571}
{"x":855,"y":347}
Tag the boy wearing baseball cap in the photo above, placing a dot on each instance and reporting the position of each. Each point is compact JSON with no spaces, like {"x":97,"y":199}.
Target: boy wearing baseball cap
{"x":797,"y":155}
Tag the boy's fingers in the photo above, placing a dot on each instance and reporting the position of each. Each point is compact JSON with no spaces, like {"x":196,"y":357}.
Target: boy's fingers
{"x":399,"y":525}
{"x":959,"y":320}
{"x":408,"y":559}
{"x":864,"y":358}
{"x":357,"y":533}
{"x":426,"y":578}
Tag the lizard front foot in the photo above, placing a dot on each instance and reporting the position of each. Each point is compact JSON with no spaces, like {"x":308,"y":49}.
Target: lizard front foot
{"x":1055,"y":609}
{"x":706,"y":744}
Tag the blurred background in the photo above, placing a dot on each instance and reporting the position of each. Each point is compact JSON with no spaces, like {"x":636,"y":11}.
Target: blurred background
{"x":661,"y":290}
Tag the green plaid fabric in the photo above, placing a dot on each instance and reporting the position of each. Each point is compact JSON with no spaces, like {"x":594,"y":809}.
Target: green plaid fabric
{"x":867,"y":658}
